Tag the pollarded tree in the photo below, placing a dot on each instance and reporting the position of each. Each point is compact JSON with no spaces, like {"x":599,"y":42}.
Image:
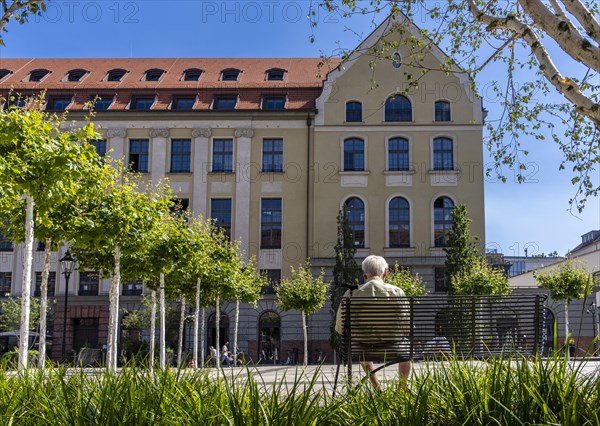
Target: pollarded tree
{"x":566,"y":282}
{"x":119,"y":220}
{"x":461,"y":252}
{"x":304,"y":293}
{"x":44,"y":164}
{"x":539,"y":48}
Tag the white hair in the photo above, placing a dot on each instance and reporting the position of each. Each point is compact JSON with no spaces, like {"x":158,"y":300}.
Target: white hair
{"x":374,"y":266}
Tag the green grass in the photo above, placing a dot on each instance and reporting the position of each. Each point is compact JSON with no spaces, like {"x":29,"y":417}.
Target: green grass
{"x":511,"y":391}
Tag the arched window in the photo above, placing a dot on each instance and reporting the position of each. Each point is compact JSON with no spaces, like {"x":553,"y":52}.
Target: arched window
{"x":353,"y":112}
{"x":443,"y":154}
{"x":269,"y":337}
{"x":230,"y":74}
{"x":4,"y":72}
{"x":442,"y":111}
{"x":76,"y":75}
{"x":275,"y":74}
{"x":398,"y":154}
{"x":38,"y":75}
{"x":442,"y":220}
{"x":355,"y":212}
{"x":154,"y":74}
{"x":398,"y":108}
{"x":223,"y":330}
{"x":354,"y":155}
{"x":399,"y":222}
{"x":116,"y":74}
{"x":192,"y":74}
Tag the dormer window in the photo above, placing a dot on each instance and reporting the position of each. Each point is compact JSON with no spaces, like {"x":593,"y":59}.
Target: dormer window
{"x":230,"y":74}
{"x":4,"y":73}
{"x":183,"y":103}
{"x":116,"y":75}
{"x":38,"y":75}
{"x":225,"y":102}
{"x":192,"y":74}
{"x":275,"y":74}
{"x":76,"y":75}
{"x":274,"y":103}
{"x":102,"y":102}
{"x":141,"y":103}
{"x":59,"y":103}
{"x":154,"y":74}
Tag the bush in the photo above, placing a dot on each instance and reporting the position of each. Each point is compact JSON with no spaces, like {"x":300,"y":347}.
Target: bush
{"x":480,"y":278}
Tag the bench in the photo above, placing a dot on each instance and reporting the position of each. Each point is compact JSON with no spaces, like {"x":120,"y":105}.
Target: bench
{"x":390,"y":330}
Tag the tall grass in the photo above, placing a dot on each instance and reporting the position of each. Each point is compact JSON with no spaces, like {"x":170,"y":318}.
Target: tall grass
{"x":510,"y":391}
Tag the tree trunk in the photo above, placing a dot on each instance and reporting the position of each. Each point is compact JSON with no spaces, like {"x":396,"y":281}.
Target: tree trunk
{"x":304,"y":330}
{"x":202,"y":350}
{"x":217,"y":324}
{"x":113,"y":315}
{"x":152,"y":331}
{"x":235,"y":331}
{"x":162,"y":342}
{"x":26,"y":283}
{"x":44,"y":303}
{"x":180,"y":337}
{"x":196,"y":313}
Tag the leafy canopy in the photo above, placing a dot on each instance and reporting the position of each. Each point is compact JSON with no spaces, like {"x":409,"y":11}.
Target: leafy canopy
{"x":301,"y":291}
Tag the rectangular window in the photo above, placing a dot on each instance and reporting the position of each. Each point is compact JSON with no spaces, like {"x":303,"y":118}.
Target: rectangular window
{"x":220,"y":213}
{"x":274,"y":277}
{"x":5,"y":283}
{"x":51,"y":284}
{"x":89,"y":283}
{"x":225,"y":103}
{"x":59,"y":103}
{"x":398,"y":154}
{"x":100,"y":145}
{"x":270,"y":223}
{"x":183,"y":104}
{"x":102,"y":103}
{"x":180,"y":206}
{"x":5,"y":243}
{"x":272,"y":155}
{"x":441,"y":283}
{"x":141,"y":104}
{"x":273,"y":103}
{"x":354,"y":155}
{"x":181,"y":152}
{"x":133,"y":288}
{"x":138,"y":155}
{"x":442,"y":111}
{"x":443,"y":154}
{"x":222,"y":156}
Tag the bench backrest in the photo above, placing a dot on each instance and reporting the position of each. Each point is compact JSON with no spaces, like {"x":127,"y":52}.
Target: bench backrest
{"x":380,"y":329}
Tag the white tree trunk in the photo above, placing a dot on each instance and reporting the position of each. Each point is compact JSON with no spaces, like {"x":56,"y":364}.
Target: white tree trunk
{"x":113,"y":315}
{"x":44,"y":303}
{"x":202,"y":350}
{"x":567,"y":336}
{"x":217,"y":323}
{"x":235,"y":331}
{"x":162,"y":342}
{"x":196,"y":313}
{"x":304,"y":329}
{"x":26,"y":283}
{"x":152,"y":331}
{"x":180,"y":337}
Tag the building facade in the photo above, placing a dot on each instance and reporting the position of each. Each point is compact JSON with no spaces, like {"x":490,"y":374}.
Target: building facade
{"x":272,"y":149}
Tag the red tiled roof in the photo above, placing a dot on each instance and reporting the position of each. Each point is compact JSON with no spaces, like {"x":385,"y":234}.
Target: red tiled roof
{"x":302,"y":81}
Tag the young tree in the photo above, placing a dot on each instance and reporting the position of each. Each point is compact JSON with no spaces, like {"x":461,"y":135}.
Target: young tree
{"x":302,"y":292}
{"x":480,"y":278}
{"x":539,"y":48}
{"x":345,"y":270}
{"x":566,"y":282}
{"x":461,"y":251}
{"x":42,"y":163}
{"x":403,"y":278}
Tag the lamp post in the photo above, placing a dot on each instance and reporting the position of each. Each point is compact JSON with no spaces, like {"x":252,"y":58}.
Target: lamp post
{"x":593,"y":310}
{"x":67,"y":265}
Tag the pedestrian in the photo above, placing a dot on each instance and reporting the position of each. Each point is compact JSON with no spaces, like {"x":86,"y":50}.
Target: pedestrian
{"x":225,"y":355}
{"x":213,"y":356}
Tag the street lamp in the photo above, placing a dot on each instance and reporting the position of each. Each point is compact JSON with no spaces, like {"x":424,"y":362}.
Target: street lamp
{"x":67,"y":265}
{"x":593,"y":310}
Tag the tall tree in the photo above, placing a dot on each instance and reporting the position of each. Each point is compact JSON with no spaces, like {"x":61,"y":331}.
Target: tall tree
{"x":539,"y":48}
{"x":40,"y":162}
{"x":566,"y":282}
{"x":304,"y":293}
{"x":461,"y":250}
{"x":345,"y":270}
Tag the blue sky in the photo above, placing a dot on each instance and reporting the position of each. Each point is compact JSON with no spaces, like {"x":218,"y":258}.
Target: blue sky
{"x":533,"y":215}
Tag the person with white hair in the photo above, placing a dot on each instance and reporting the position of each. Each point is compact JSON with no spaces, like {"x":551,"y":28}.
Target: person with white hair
{"x":374,"y":272}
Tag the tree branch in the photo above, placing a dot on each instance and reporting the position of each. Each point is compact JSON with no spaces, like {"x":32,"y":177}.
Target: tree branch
{"x":564,"y":33}
{"x":567,"y":87}
{"x":585,"y":18}
{"x":14,"y":8}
